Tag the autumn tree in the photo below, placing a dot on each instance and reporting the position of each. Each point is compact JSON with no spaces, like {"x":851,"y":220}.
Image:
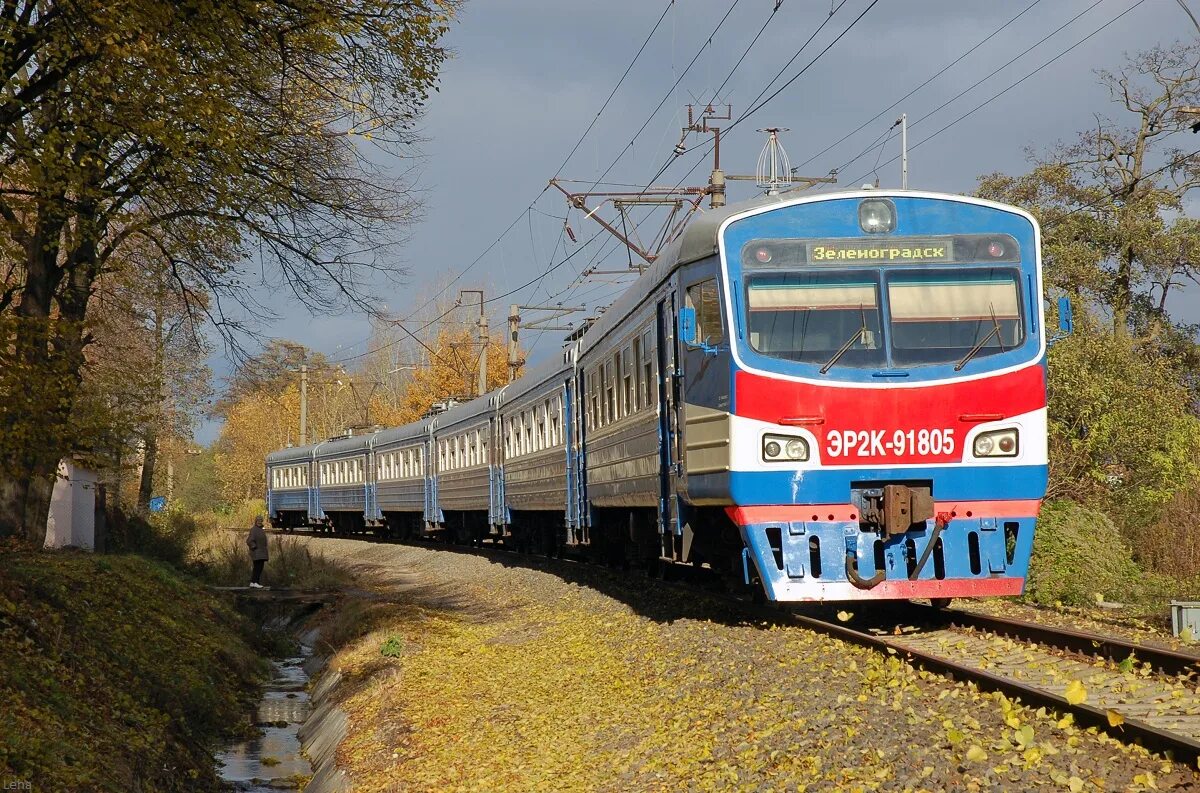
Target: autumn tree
{"x":1111,"y":202}
{"x":210,"y":131}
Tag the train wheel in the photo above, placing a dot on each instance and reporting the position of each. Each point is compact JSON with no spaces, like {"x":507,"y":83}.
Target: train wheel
{"x":940,"y":603}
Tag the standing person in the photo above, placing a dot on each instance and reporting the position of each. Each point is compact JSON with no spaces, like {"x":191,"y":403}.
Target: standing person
{"x":257,"y":542}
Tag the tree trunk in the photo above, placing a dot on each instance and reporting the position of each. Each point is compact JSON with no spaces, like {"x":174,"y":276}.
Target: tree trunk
{"x":39,"y":388}
{"x":149,"y":457}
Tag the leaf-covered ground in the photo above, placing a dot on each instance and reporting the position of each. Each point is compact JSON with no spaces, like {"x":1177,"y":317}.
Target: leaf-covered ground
{"x":116,"y":674}
{"x":475,"y":673}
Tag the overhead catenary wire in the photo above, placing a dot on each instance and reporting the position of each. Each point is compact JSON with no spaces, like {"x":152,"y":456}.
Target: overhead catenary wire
{"x":926,"y":82}
{"x":757,"y":105}
{"x":1009,"y":87}
{"x":567,"y":159}
{"x":767,"y":87}
{"x":985,"y":78}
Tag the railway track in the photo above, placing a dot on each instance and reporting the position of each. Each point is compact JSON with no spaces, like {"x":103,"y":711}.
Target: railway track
{"x":1135,"y":692}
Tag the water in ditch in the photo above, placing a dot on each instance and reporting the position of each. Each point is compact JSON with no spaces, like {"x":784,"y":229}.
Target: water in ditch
{"x":272,"y":760}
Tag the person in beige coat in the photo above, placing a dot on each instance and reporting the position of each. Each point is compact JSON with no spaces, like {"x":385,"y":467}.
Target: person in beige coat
{"x":257,"y":542}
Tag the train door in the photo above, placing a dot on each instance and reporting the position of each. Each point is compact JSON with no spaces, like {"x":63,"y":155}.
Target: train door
{"x":567,"y":418}
{"x":497,"y":514}
{"x":668,"y":423}
{"x":431,"y":510}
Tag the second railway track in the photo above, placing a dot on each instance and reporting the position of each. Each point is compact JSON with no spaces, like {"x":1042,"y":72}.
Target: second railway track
{"x":1135,"y":692}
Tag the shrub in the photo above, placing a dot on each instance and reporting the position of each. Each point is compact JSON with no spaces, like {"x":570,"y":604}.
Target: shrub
{"x":165,"y":536}
{"x":1171,"y":544}
{"x":1079,"y":554}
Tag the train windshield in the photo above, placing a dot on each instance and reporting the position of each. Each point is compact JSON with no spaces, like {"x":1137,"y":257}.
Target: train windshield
{"x":944,"y":317}
{"x":835,"y":318}
{"x":811,"y":316}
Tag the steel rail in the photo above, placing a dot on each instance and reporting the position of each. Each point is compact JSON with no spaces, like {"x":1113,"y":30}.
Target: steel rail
{"x":1165,"y":660}
{"x":1181,"y":748}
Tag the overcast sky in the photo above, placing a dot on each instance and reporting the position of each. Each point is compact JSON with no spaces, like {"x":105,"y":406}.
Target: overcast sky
{"x":528,"y":76}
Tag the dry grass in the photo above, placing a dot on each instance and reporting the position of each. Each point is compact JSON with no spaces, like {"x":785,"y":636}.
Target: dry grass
{"x":222,"y":558}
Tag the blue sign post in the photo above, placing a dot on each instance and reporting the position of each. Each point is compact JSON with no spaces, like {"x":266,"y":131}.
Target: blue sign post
{"x":158,"y":504}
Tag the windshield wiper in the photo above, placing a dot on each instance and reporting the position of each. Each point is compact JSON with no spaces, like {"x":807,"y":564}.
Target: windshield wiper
{"x":995,"y":331}
{"x":861,"y":333}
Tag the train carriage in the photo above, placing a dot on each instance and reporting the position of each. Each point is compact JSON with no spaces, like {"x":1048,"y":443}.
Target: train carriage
{"x":463,"y":470}
{"x":837,"y":396}
{"x":345,"y":483}
{"x":538,"y":444}
{"x":400,"y":456}
{"x":289,"y":475}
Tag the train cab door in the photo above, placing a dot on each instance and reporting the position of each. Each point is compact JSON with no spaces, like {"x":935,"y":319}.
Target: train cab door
{"x":668,"y":423}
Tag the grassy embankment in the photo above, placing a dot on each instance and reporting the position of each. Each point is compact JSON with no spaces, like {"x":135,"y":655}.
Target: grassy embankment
{"x":121,"y":672}
{"x":117,"y":674}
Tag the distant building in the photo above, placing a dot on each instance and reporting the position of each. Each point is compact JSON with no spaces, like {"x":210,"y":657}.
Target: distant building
{"x":72,"y":520}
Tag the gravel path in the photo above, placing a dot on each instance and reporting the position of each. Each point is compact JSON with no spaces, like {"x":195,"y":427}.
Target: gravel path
{"x":486,"y":672}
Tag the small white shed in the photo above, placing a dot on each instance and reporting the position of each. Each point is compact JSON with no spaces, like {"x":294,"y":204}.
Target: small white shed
{"x":72,"y":519}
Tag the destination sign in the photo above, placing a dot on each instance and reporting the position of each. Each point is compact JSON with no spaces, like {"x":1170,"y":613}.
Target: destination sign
{"x":927,"y":251}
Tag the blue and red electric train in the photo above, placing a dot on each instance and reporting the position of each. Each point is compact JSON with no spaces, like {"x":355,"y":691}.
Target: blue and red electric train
{"x":834,"y":397}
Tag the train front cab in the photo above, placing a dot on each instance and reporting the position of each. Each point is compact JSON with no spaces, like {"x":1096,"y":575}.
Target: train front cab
{"x":887,"y":396}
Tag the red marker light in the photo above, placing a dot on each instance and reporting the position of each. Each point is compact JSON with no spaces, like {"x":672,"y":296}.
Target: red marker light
{"x":763,"y":255}
{"x":1007,"y":444}
{"x":995,"y":250}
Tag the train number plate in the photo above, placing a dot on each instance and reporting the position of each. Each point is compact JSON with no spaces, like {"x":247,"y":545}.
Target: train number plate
{"x":935,"y":442}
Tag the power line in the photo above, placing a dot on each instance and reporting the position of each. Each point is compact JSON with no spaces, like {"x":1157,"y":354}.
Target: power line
{"x":1011,"y":86}
{"x":667,"y":96}
{"x":570,"y":154}
{"x":755,"y":107}
{"x":942,"y":71}
{"x":613,"y":93}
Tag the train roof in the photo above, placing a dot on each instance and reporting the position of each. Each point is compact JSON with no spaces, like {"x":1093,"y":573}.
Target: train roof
{"x":291,"y":454}
{"x":416,"y":429}
{"x":358,"y":443}
{"x":698,"y":241}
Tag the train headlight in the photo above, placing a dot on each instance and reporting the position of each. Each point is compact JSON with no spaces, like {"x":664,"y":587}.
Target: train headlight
{"x":998,"y":443}
{"x":877,"y":216}
{"x":784,"y":449}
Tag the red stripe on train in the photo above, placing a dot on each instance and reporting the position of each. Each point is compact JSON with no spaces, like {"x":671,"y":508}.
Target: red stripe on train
{"x":924,"y":588}
{"x":816,"y":513}
{"x":892,"y":425}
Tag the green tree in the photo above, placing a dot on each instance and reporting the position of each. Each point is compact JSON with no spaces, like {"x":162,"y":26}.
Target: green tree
{"x":1123,"y":389}
{"x":210,"y":131}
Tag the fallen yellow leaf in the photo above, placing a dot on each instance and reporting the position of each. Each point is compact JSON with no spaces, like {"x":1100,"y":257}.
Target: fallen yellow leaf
{"x":1115,"y":719}
{"x":1076,"y":694}
{"x":976,"y":754}
{"x":844,"y":616}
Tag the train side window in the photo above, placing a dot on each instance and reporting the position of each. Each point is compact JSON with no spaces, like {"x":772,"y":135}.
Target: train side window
{"x":704,"y":298}
{"x":636,"y":361}
{"x":610,"y":396}
{"x":593,"y":401}
{"x":626,"y":383}
{"x":556,"y":424}
{"x":648,"y":381}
